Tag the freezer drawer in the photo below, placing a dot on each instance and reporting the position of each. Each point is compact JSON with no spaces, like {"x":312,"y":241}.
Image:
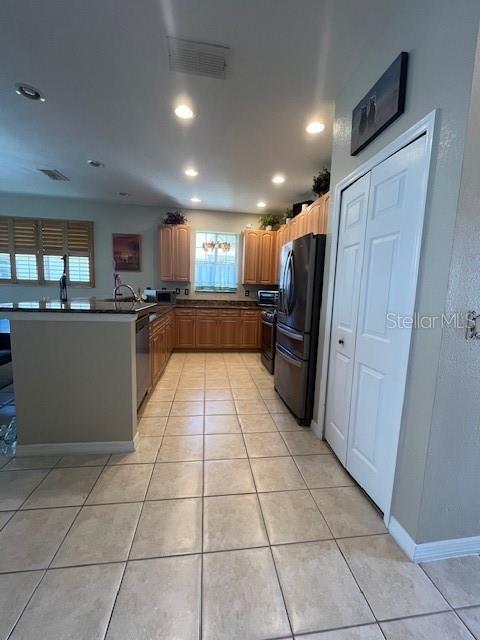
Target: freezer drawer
{"x":294,"y":341}
{"x":291,"y":379}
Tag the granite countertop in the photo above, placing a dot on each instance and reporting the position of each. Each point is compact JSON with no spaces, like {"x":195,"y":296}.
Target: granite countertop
{"x":217,"y":304}
{"x":87,"y":305}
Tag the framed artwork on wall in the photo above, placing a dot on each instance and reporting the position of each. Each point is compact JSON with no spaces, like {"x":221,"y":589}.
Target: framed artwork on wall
{"x":380,"y":106}
{"x":126,"y":251}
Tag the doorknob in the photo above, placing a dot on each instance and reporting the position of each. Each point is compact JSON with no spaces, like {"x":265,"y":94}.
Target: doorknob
{"x":341,"y":341}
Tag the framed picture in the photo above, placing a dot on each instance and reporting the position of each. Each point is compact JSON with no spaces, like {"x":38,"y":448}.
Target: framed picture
{"x":126,"y":251}
{"x":381,"y":106}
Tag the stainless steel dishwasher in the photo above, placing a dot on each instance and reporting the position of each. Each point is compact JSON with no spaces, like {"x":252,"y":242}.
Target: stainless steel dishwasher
{"x":142,"y":348}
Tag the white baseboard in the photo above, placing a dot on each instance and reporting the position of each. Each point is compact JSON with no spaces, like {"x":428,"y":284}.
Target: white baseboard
{"x":67,"y":448}
{"x":317,"y":430}
{"x":428,"y":551}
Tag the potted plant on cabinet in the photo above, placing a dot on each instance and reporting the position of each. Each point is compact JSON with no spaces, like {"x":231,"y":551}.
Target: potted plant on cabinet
{"x":175,"y":217}
{"x":288,"y":215}
{"x":269,"y":221}
{"x":321,"y":182}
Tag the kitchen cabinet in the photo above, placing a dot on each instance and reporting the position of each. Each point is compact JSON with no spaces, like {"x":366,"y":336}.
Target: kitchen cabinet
{"x":184,"y":329}
{"x":250,"y":330}
{"x":206,"y":330}
{"x":174,"y":250}
{"x":228,"y":329}
{"x":161,"y":344}
{"x":217,"y":328}
{"x":258,"y":256}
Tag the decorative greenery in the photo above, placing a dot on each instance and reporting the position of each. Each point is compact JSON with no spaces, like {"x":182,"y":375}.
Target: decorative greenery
{"x":269,"y":220}
{"x":175,"y":217}
{"x":288,"y":214}
{"x":321,"y":182}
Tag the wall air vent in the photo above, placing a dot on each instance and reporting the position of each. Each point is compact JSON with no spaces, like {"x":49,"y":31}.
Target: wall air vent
{"x":53,"y":174}
{"x":199,"y":58}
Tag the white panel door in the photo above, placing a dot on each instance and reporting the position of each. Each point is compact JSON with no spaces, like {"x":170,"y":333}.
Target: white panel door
{"x":353,"y":215}
{"x":388,"y":286}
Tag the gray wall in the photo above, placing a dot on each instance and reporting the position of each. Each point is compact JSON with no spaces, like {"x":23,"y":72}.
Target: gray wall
{"x":440,"y":37}
{"x":108,"y":219}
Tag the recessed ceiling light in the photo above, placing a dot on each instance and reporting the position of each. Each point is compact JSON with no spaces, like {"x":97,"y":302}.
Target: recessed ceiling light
{"x":191,"y":172}
{"x":27,"y":91}
{"x":123,"y":193}
{"x":95,"y":163}
{"x":261,"y":204}
{"x":314,"y":127}
{"x":278,"y":179}
{"x":183,"y":111}
{"x":195,"y":199}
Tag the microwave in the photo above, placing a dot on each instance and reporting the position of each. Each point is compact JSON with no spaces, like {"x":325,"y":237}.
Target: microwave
{"x":267,"y":298}
{"x":161,"y":296}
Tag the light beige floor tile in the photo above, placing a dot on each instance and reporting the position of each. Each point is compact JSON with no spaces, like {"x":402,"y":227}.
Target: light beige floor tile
{"x":265,"y":445}
{"x":84,"y":460}
{"x":252,"y":423}
{"x":156,"y":409}
{"x":64,"y":488}
{"x":393,"y":586}
{"x":101,"y":533}
{"x":224,"y":446}
{"x":366,"y":632}
{"x":348,"y":512}
{"x":191,"y":383}
{"x":471,"y":617}
{"x":219,"y":407}
{"x":321,"y":471}
{"x":458,"y":579}
{"x":181,"y":449}
{"x":319,"y":589}
{"x":286,"y":422}
{"x":31,"y":538}
{"x":304,"y":442}
{"x":152,"y":426}
{"x":276,"y":474}
{"x":71,"y":603}
{"x":245,"y":394}
{"x":16,"y":486}
{"x":233,"y":522}
{"x":146,"y":610}
{"x":184,"y":426}
{"x":176,"y":480}
{"x":275,"y":405}
{"x":167,"y":383}
{"x":146,"y":451}
{"x":218,"y":394}
{"x":121,"y":483}
{"x":250,"y":406}
{"x":267,"y":392}
{"x":228,"y":477}
{"x":4,"y":518}
{"x":15,"y":591}
{"x":292,"y":516}
{"x":441,"y":626}
{"x":31,"y":462}
{"x":187,"y":409}
{"x":169,"y":527}
{"x":241,"y":597}
{"x":217,"y":382}
{"x":190,"y":395}
{"x":222,"y":424}
{"x":162,"y":395}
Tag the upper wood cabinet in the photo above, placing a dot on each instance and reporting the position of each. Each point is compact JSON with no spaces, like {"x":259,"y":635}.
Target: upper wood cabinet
{"x":259,"y":249}
{"x":174,"y":250}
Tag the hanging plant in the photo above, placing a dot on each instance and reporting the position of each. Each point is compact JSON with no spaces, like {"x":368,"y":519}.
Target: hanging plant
{"x":269,"y":220}
{"x":175,"y":217}
{"x":321,"y":182}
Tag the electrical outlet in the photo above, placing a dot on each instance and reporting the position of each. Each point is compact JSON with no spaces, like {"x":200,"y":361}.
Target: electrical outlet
{"x":177,"y":291}
{"x":247,"y":292}
{"x":186,"y":292}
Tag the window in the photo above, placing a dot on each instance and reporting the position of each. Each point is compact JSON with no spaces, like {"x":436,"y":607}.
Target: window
{"x":216,"y":261}
{"x":31,"y":250}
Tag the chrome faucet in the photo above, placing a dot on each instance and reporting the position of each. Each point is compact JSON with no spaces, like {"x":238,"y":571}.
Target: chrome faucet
{"x":119,"y":286}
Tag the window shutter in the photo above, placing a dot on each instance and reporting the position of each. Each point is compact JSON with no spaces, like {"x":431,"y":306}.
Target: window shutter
{"x":25,"y":235}
{"x":79,"y":238}
{"x":52,"y":233}
{"x":4,"y":235}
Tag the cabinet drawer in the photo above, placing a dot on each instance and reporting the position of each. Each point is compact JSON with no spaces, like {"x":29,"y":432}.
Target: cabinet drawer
{"x":247,"y":313}
{"x":228,"y":313}
{"x":188,"y":312}
{"x":207,"y":313}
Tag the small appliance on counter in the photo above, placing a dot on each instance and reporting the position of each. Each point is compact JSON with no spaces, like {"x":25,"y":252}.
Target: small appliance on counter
{"x":300,"y":300}
{"x":161,"y":296}
{"x":268,"y":301}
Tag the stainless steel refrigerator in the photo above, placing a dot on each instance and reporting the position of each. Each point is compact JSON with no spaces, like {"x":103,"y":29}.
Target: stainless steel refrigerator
{"x":300,"y":300}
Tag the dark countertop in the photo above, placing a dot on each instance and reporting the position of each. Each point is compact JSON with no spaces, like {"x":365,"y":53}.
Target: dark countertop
{"x":217,"y":304}
{"x":86,"y":305}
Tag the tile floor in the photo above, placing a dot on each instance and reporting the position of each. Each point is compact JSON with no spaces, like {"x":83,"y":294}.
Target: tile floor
{"x":228,"y":522}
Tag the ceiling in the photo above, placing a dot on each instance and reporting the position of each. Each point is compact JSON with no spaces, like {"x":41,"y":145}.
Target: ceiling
{"x":103,"y":67}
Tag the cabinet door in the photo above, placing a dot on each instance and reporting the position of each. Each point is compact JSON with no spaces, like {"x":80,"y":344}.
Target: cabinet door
{"x":251,"y":248}
{"x":267,"y":249}
{"x":206,"y":332}
{"x":185,"y":332}
{"x":165,"y":249}
{"x":275,"y":258}
{"x":229,"y":335}
{"x":181,"y":253}
{"x":249,"y":333}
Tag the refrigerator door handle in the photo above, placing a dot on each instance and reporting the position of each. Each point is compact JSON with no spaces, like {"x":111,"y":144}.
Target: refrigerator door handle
{"x":290,"y":333}
{"x":281,"y":303}
{"x":283,"y":354}
{"x":291,"y":284}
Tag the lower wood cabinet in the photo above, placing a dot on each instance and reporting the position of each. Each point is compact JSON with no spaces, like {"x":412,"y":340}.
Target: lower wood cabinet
{"x":217,"y":328}
{"x":161,"y":344}
{"x":206,"y":332}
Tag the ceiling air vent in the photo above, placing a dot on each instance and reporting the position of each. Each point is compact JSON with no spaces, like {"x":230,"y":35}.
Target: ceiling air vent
{"x":53,"y":174}
{"x":199,"y":58}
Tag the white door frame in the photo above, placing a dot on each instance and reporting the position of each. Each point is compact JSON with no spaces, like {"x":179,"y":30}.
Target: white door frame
{"x":425,"y":126}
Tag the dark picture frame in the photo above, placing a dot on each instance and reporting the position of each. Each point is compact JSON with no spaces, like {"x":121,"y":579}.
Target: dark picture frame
{"x":126,"y":251}
{"x":383,"y":104}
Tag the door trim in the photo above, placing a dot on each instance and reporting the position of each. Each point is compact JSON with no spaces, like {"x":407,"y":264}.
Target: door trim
{"x":426,"y":126}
